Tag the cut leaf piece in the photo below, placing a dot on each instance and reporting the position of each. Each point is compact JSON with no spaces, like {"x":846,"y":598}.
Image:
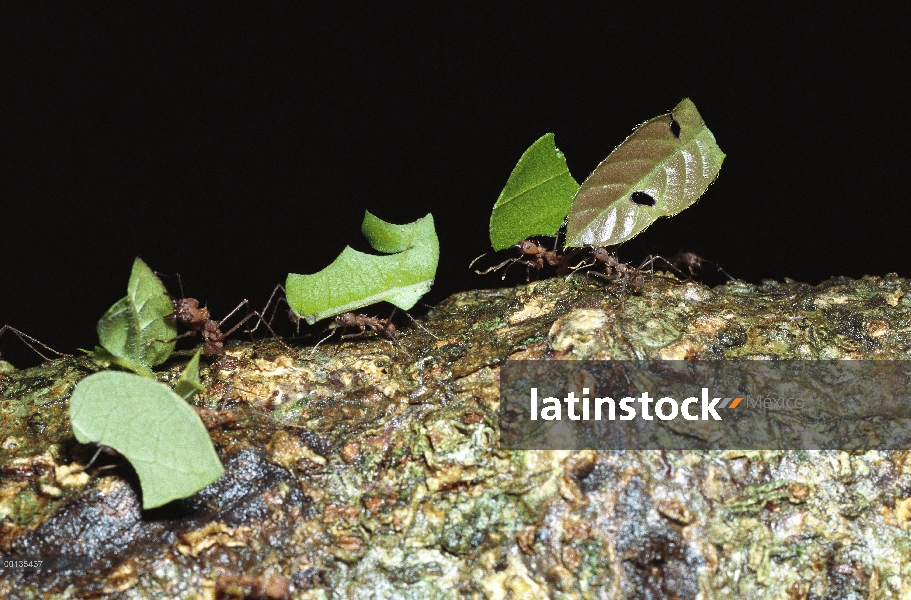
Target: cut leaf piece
{"x":135,"y":329}
{"x":536,"y":198}
{"x":153,"y":427}
{"x":355,"y":279}
{"x":188,"y":384}
{"x":664,"y":166}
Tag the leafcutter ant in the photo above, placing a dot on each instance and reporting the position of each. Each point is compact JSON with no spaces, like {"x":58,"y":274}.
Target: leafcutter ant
{"x":693,"y":263}
{"x":196,"y":319}
{"x":383,"y":327}
{"x":614,"y":269}
{"x":26,"y":338}
{"x":534,"y":256}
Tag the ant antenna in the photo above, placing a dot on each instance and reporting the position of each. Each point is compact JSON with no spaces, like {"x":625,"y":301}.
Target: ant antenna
{"x":471,"y":264}
{"x":26,"y":338}
{"x":415,"y":321}
{"x":331,"y":333}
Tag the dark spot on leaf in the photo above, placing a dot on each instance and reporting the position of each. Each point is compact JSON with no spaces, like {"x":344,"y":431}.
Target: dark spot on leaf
{"x":643,"y":199}
{"x":675,"y":127}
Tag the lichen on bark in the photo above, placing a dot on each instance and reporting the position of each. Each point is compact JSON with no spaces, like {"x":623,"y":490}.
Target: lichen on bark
{"x":371,"y":470}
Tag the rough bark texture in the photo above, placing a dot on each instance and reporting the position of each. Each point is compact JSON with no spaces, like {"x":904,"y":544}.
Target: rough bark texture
{"x":371,"y":471}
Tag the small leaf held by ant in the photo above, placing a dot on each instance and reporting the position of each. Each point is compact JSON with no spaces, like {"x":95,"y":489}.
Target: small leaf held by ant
{"x":356,"y":279}
{"x":135,"y":332}
{"x":536,"y":197}
{"x":674,"y":156}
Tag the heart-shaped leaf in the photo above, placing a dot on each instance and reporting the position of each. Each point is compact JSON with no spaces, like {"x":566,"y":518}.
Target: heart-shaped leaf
{"x":536,"y":198}
{"x":355,"y":279}
{"x":135,"y":330}
{"x":663,"y":167}
{"x":153,"y":427}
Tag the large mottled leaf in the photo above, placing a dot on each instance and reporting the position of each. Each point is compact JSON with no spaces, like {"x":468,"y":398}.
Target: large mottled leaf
{"x":663,"y":167}
{"x":355,"y":279}
{"x":536,"y":198}
{"x":153,"y":427}
{"x":135,"y":331}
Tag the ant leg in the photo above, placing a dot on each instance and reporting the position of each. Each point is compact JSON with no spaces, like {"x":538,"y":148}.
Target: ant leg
{"x":94,"y":458}
{"x":98,"y":452}
{"x":355,"y":335}
{"x":385,"y":329}
{"x":25,"y":338}
{"x":230,"y":314}
{"x":528,"y":266}
{"x":413,"y":320}
{"x":189,"y":333}
{"x":672,"y":266}
{"x":247,"y":318}
{"x":597,"y":274}
{"x":495,"y":267}
{"x":266,"y":307}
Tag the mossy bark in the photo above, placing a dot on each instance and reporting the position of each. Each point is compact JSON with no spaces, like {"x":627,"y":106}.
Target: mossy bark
{"x":373,"y":470}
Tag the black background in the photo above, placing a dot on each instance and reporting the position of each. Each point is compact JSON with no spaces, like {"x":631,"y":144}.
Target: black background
{"x":234,"y":148}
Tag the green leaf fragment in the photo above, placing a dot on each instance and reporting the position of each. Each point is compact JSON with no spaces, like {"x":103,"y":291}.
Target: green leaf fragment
{"x":663,"y":167}
{"x":188,"y":384}
{"x":154,"y":428}
{"x":105,"y":359}
{"x":536,"y":198}
{"x":355,"y":279}
{"x":135,"y":329}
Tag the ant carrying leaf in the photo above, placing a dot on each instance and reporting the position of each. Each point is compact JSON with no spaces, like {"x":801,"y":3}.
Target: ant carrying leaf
{"x":536,"y":197}
{"x":383,"y":327}
{"x":188,"y":313}
{"x":531,"y":254}
{"x":663,"y":167}
{"x":631,"y":277}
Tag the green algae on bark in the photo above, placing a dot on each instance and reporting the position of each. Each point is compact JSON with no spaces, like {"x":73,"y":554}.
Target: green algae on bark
{"x":373,"y":471}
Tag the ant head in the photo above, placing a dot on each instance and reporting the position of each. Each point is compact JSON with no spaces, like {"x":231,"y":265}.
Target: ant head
{"x":189,"y":303}
{"x":600,"y":253}
{"x":527,"y":246}
{"x":187,"y":311}
{"x":348,"y":319}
